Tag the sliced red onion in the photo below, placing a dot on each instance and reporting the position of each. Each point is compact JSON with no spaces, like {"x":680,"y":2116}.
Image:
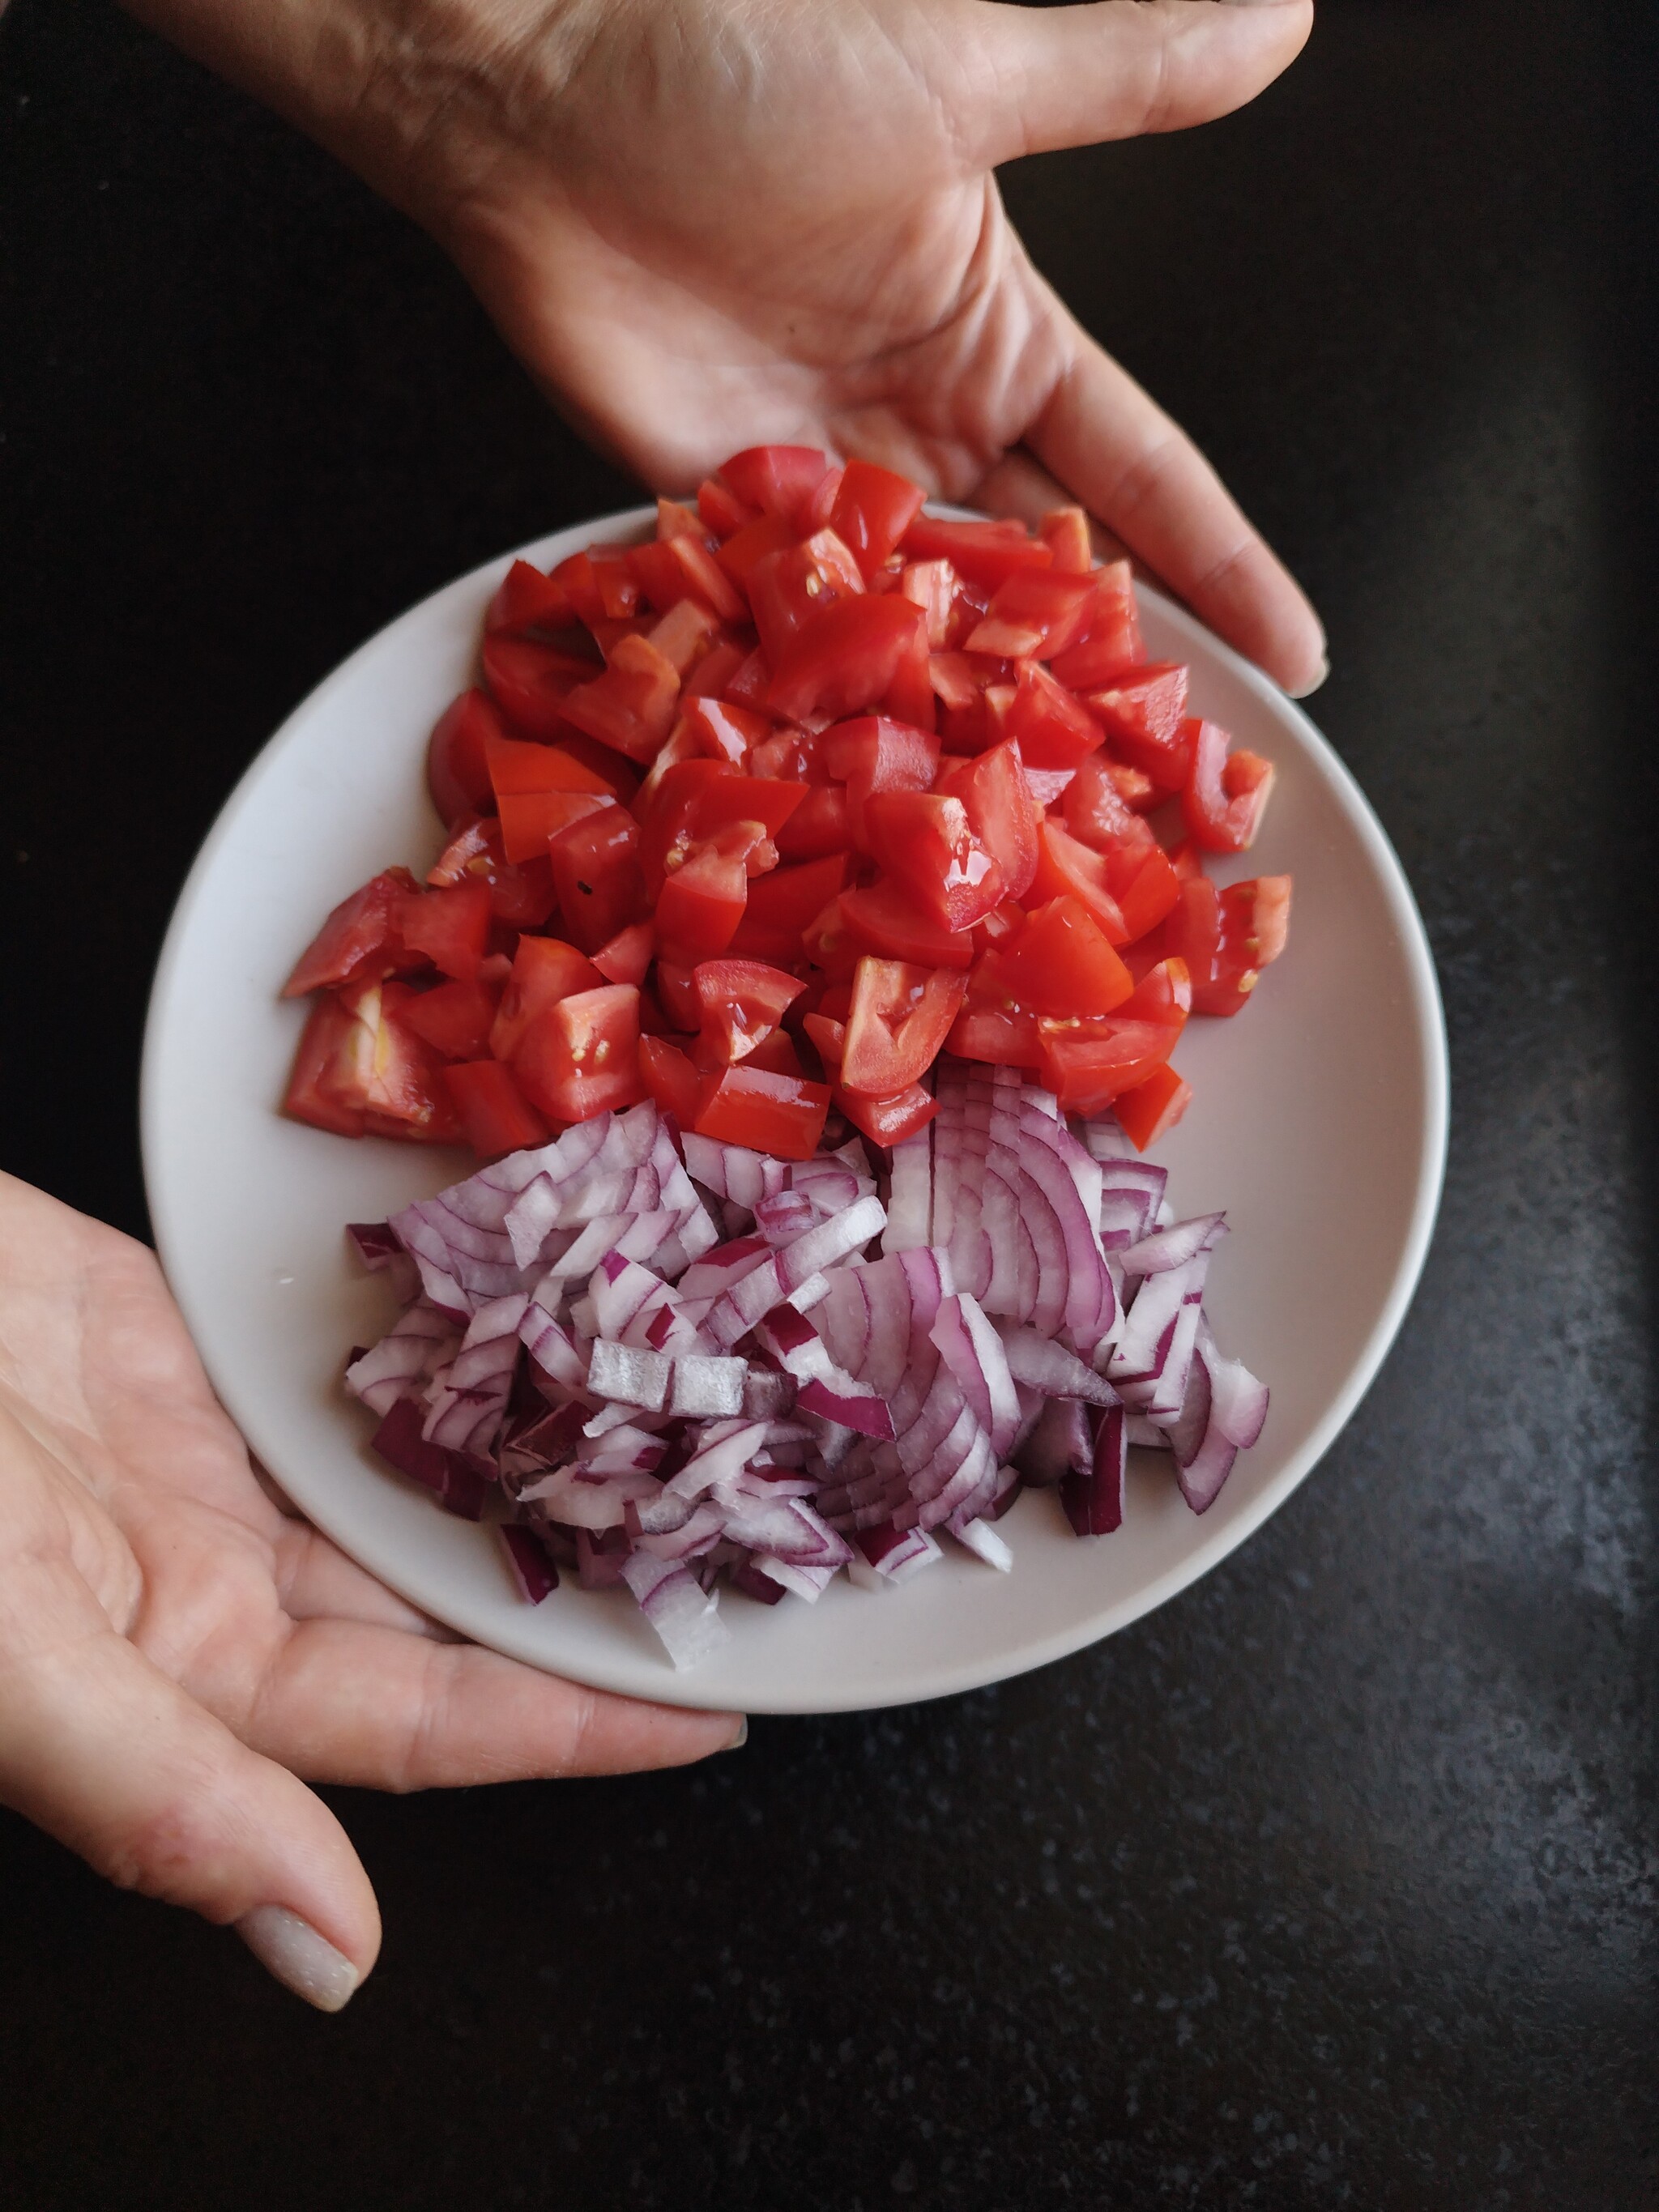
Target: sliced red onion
{"x":411,"y":1351}
{"x":687,"y":1622}
{"x":1093,"y":1501}
{"x":707,"y":1387}
{"x":1045,"y":1366}
{"x":533,"y":1566}
{"x":767,"y":1396}
{"x":1240,"y":1402}
{"x":1147,"y":1434}
{"x":785,"y":1528}
{"x":467,"y":1400}
{"x":632,"y":1377}
{"x":910,"y":1195}
{"x":808,"y":1582}
{"x":973,"y":1351}
{"x":899,"y":1556}
{"x":694,"y":1540}
{"x":828,"y":1242}
{"x":723,"y":1265}
{"x":723,"y":1448}
{"x":1061,"y":1444}
{"x":754,"y":1582}
{"x":1174,"y":1248}
{"x":400,"y":1442}
{"x":979,"y":1537}
{"x":732,"y":1171}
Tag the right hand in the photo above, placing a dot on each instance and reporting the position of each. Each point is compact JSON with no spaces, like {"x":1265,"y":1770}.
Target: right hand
{"x":705,"y":224}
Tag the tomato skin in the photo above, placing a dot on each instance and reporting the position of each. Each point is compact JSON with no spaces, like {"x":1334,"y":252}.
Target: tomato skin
{"x":1254,"y":920}
{"x":1224,"y":798}
{"x":521,"y":893}
{"x":516,"y":767}
{"x":596,"y":873}
{"x":1113,"y":640}
{"x":1035,"y":612}
{"x":495,"y":1115}
{"x":529,"y":683}
{"x":783,"y":905}
{"x":721,"y":509}
{"x":723,"y":731}
{"x":787,"y":588}
{"x":1087,"y":1073}
{"x":1054,"y":731}
{"x":671,"y":570}
{"x":1066,"y":869}
{"x":818,"y":828}
{"x":898,"y":1019}
{"x":326,"y":1038}
{"x":581,"y":1056}
{"x":626,"y":957}
{"x":679,"y":998}
{"x":1143,"y":881}
{"x":874,"y":508}
{"x":778,"y":480}
{"x":709,"y":678}
{"x":359,"y":936}
{"x":993,"y":790}
{"x":845,"y":659}
{"x":1095,"y":811}
{"x":718,"y":805}
{"x":526,"y":599}
{"x":454,"y":1019}
{"x":700,"y":904}
{"x":876,"y":752}
{"x":544,"y":970}
{"x":1005,"y":1037}
{"x":449,"y":926}
{"x":888,"y":1121}
{"x":457,"y":756}
{"x":879,"y":918}
{"x":631,"y":706}
{"x":1065,"y":531}
{"x":781,"y":1115}
{"x":671,"y":1079}
{"x":1152,"y":1109}
{"x":776,"y":1053}
{"x":665,"y":812}
{"x":1062,"y":964}
{"x":739,"y":1002}
{"x":986,"y":553}
{"x":530,"y":820}
{"x":924,"y":844}
{"x":1144,"y":712}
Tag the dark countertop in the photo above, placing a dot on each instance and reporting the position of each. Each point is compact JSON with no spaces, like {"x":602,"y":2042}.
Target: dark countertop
{"x":1332,"y":1883}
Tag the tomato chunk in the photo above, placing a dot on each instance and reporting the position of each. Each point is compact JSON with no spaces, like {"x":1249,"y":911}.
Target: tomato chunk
{"x":457,"y":756}
{"x":1113,"y":638}
{"x":1035,"y":612}
{"x":1065,"y":531}
{"x":739,"y":1002}
{"x":878,"y":753}
{"x":993,"y":790}
{"x":986,"y":553}
{"x":530,"y":682}
{"x":544,"y":970}
{"x":671,"y":1079}
{"x":521,"y":893}
{"x":778,"y":480}
{"x":874,"y":509}
{"x":783,"y":906}
{"x":898,"y":1020}
{"x":1096,"y":811}
{"x":848,"y":656}
{"x":627,"y":956}
{"x":1062,"y":963}
{"x":455,"y":1018}
{"x":702,"y":901}
{"x":879,"y":918}
{"x":1254,"y":920}
{"x":818,"y":827}
{"x":359,"y":936}
{"x":1065,"y":868}
{"x":596,"y":872}
{"x":526,"y":599}
{"x":495,"y":1114}
{"x":925,"y":842}
{"x":449,"y":926}
{"x":723,"y":731}
{"x":888,"y":1121}
{"x":1144,"y":712}
{"x":1224,"y":798}
{"x":787,"y":588}
{"x":582,"y":1057}
{"x":1153,"y":1108}
{"x":315,"y":1092}
{"x":1054,"y":731}
{"x":781,"y":1115}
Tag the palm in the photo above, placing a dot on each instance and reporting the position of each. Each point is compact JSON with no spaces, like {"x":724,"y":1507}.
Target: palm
{"x":734,"y":224}
{"x":171,"y":1641}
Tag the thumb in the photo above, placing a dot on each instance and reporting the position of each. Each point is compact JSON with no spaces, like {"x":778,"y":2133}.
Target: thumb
{"x":1113,"y":68}
{"x":103,"y":1751}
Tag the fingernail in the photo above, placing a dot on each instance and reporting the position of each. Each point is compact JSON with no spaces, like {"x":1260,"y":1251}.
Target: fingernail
{"x":740,"y":1738}
{"x":301,"y":1960}
{"x":1307,"y":689}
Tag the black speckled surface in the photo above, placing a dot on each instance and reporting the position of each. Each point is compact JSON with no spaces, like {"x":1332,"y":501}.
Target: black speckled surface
{"x":1334,"y":1883}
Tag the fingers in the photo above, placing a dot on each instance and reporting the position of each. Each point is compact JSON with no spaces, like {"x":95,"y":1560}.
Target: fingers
{"x":367,"y":1705}
{"x":104,"y":1752}
{"x":315,"y":1580}
{"x":1016,"y":487}
{"x":1121,"y":457}
{"x":1071,"y":77}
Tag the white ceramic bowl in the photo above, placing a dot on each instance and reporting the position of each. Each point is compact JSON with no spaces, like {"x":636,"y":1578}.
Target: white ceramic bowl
{"x":1319,"y":1123}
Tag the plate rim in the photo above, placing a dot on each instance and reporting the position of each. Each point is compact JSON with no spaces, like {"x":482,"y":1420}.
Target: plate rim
{"x":1428,"y":1020}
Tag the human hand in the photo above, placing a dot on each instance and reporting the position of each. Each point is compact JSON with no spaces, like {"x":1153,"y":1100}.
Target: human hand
{"x":706,"y":224}
{"x":174,"y":1650}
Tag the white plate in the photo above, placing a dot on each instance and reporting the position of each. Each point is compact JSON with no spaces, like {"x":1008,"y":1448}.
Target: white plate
{"x":1319,"y":1123}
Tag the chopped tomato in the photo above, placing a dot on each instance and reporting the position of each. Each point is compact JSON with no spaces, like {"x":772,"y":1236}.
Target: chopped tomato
{"x":1006,"y":1036}
{"x":1143,"y":883}
{"x":898,"y":1022}
{"x":1225,"y":796}
{"x":529,"y":821}
{"x":359,"y":936}
{"x":703,"y":900}
{"x":1112,"y":638}
{"x":709,"y":678}
{"x":596,"y":872}
{"x":1164,"y":993}
{"x":582,"y":1056}
{"x":516,"y":769}
{"x":783,"y":905}
{"x":1054,"y":731}
{"x":723,"y":512}
{"x":521,"y":893}
{"x":679,"y":998}
{"x":544,"y":970}
{"x":1191,"y":932}
{"x":530,"y":682}
{"x":1152,"y":1109}
{"x":671,"y":1079}
{"x":630,"y":707}
{"x":315,"y":1093}
{"x":878,"y":753}
{"x":845,"y":658}
{"x":457,"y":762}
{"x":932,"y":586}
{"x":1062,"y":963}
{"x":879,"y":918}
{"x":763,"y":534}
{"x":628,"y":954}
{"x":685,"y":635}
{"x":525,"y":600}
{"x":1035,"y":612}
{"x":716,"y":806}
{"x":781,"y":1115}
{"x":1088,"y":1068}
{"x":674,"y":520}
{"x":671,"y":569}
{"x":787,"y":588}
{"x":818,"y":827}
{"x":1255,"y":918}
{"x":924,"y":842}
{"x":874,"y":509}
{"x":1065,"y":868}
{"x":1096,"y":811}
{"x":777,"y":480}
{"x":495,"y":1114}
{"x":986,"y":553}
{"x":598,"y":585}
{"x":723,"y":731}
{"x":738,"y":1003}
{"x":1001,"y":927}
{"x":454,"y":1019}
{"x":665,"y":812}
{"x":449,"y":926}
{"x":1143,"y":711}
{"x":993,"y":789}
{"x":888,"y":1121}
{"x":392,"y":1074}
{"x":1065,"y":531}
